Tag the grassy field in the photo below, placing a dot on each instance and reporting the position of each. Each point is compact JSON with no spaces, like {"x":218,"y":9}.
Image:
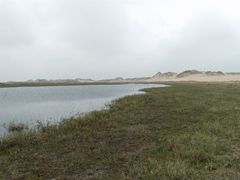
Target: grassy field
{"x":186,"y":131}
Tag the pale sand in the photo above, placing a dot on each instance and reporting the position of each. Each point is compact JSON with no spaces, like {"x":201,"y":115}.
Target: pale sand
{"x":189,"y":75}
{"x":192,"y":77}
{"x":199,"y":78}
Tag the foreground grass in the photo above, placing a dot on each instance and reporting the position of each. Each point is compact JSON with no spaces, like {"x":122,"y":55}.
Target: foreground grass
{"x":187,"y":131}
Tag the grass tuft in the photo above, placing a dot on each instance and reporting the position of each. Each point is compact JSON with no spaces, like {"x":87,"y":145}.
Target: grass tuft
{"x":14,"y":127}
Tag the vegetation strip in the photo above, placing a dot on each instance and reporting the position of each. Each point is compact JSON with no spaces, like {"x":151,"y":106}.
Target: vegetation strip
{"x":186,"y":131}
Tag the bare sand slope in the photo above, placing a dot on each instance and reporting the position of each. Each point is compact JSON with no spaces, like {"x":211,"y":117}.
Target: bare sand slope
{"x":189,"y":75}
{"x":194,"y":75}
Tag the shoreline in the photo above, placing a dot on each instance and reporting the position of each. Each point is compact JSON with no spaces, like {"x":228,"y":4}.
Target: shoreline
{"x":16,"y":85}
{"x":167,"y":77}
{"x":23,"y":84}
{"x":18,"y":125}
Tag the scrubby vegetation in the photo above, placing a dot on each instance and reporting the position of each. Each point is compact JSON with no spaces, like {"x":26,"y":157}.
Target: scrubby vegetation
{"x":186,"y":131}
{"x":16,"y":127}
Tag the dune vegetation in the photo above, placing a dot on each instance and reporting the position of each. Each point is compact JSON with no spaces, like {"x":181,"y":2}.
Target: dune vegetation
{"x":185,"y":131}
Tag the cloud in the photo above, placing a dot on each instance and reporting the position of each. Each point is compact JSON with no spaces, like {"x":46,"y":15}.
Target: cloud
{"x":103,"y":39}
{"x":15,"y":30}
{"x":207,"y":42}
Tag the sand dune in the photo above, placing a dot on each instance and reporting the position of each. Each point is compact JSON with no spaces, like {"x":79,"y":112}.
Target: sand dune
{"x":189,"y":75}
{"x":194,"y":75}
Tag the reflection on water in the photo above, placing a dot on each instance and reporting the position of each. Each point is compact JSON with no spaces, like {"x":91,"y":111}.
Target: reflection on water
{"x":51,"y":104}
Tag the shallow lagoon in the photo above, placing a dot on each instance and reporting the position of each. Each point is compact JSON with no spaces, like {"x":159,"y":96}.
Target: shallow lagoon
{"x":29,"y":105}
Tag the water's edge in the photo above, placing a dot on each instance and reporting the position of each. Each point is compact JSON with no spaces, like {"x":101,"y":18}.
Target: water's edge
{"x":104,"y":106}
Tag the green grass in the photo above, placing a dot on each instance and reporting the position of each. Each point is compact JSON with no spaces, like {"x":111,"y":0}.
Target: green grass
{"x":13,"y":127}
{"x":187,"y":131}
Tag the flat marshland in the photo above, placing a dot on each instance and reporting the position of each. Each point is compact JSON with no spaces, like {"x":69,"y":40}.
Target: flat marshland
{"x":185,"y":131}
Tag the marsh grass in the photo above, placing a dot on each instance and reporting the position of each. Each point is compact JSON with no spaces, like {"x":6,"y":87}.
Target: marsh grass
{"x":186,"y":131}
{"x":16,"y":127}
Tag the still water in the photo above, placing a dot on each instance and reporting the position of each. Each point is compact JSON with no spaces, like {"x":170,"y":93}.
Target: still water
{"x":29,"y":105}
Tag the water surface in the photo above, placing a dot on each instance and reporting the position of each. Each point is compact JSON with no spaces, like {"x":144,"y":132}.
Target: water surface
{"x":51,"y":104}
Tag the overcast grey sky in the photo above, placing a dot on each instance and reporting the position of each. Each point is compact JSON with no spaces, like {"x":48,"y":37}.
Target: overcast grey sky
{"x":108,"y":38}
